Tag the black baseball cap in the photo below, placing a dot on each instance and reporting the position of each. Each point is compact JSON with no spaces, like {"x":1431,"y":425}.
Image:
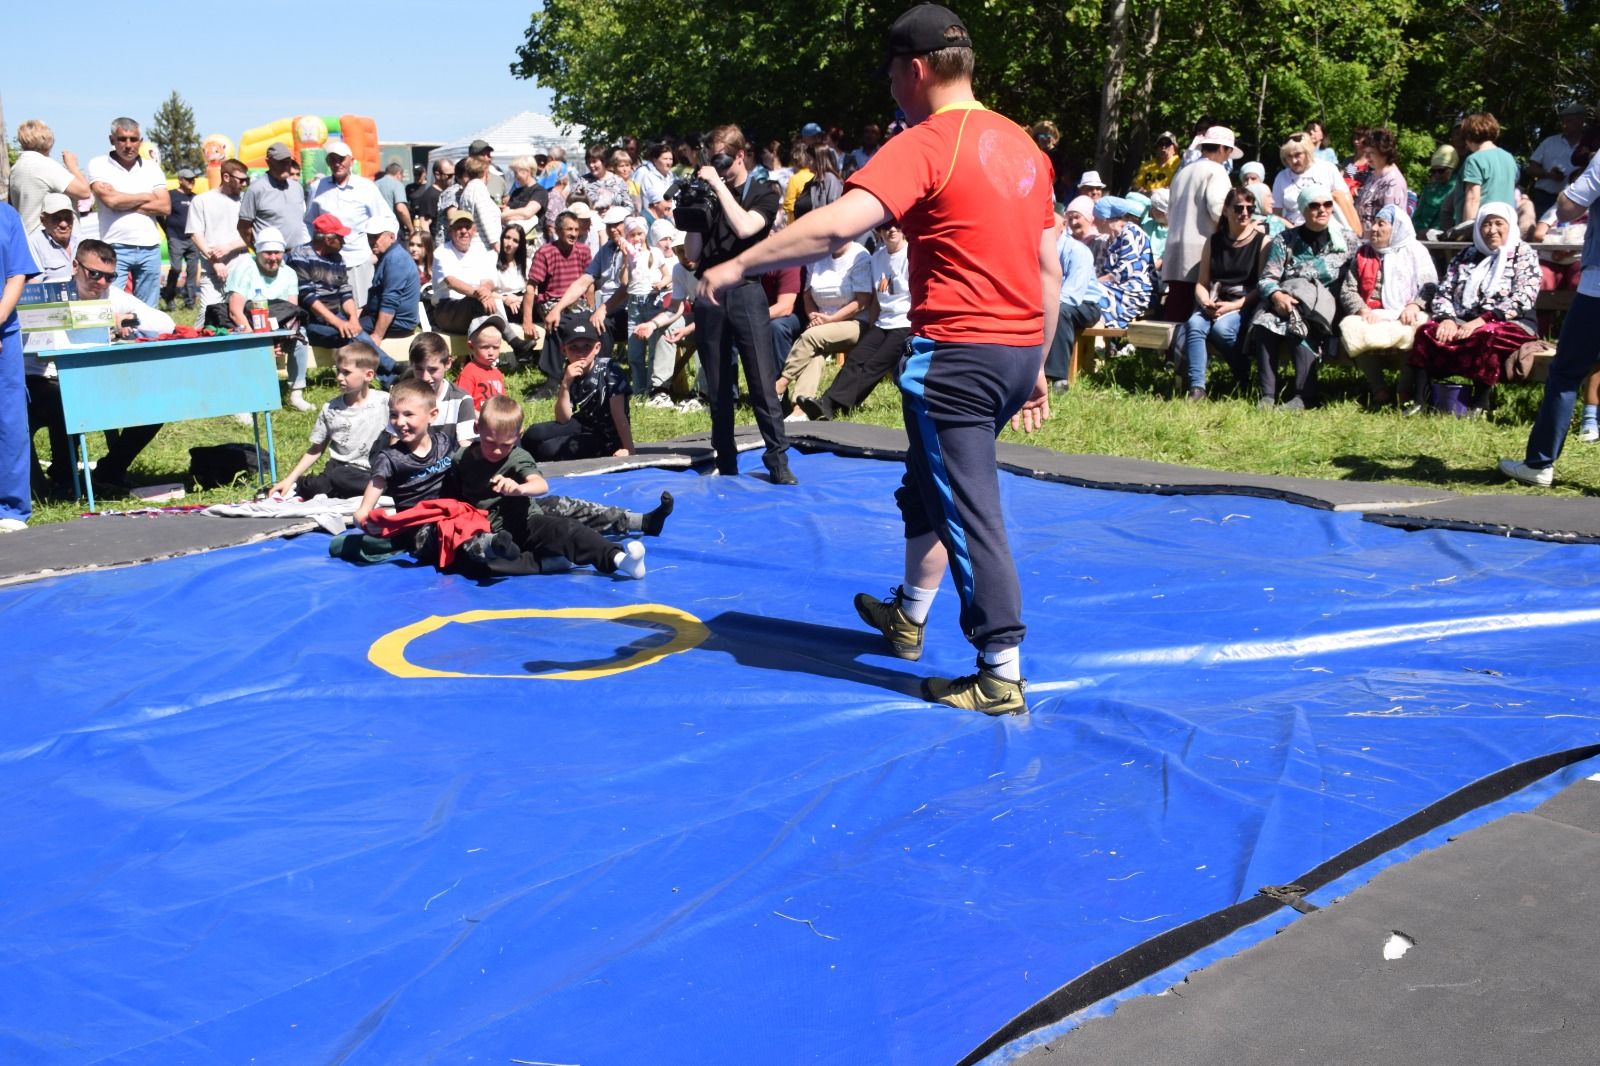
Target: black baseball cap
{"x":923,"y":29}
{"x":576,"y":327}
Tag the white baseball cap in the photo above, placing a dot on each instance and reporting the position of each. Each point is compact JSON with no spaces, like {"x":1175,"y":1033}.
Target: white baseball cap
{"x":337,"y":148}
{"x":269,"y":240}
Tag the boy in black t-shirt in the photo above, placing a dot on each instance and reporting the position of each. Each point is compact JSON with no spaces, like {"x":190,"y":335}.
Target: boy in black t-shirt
{"x":591,"y":401}
{"x":498,"y":477}
{"x":411,"y":467}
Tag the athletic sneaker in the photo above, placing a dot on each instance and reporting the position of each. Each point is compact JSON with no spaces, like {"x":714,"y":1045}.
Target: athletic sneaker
{"x":887,"y":617}
{"x":661,"y":400}
{"x":1517,"y":470}
{"x":983,"y":691}
{"x":691,"y":405}
{"x":1589,"y":432}
{"x":12,"y":525}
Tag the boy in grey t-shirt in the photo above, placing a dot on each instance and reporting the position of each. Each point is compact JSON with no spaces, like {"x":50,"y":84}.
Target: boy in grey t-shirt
{"x":347,"y":427}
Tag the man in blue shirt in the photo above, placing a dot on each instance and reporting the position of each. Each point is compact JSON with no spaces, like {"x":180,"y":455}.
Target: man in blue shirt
{"x":391,"y":307}
{"x":1079,"y":307}
{"x":16,"y":267}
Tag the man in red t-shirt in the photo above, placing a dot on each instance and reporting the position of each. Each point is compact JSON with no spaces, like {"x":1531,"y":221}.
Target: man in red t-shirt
{"x":973,"y":194}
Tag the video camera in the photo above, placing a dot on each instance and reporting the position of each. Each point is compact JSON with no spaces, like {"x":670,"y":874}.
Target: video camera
{"x":695,"y":207}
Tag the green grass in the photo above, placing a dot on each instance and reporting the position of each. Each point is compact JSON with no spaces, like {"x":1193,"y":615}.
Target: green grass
{"x":1125,"y":409}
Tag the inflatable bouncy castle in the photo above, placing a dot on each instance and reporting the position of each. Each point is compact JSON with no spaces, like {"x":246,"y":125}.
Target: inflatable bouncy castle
{"x":307,"y":137}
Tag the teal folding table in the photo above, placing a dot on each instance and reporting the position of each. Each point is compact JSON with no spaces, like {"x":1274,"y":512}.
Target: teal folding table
{"x":126,"y":383}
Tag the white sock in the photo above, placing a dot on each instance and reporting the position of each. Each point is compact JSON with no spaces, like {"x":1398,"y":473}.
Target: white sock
{"x":916,"y":603}
{"x":630,"y":561}
{"x":1004,"y":662}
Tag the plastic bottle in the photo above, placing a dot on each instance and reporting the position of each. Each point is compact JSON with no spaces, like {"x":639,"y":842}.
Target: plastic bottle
{"x":258,"y":313}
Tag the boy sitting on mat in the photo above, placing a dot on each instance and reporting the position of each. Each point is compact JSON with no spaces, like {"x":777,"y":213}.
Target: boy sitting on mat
{"x":347,"y":427}
{"x":436,"y":527}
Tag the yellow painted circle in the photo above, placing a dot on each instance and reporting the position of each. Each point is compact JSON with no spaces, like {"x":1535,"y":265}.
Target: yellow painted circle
{"x":388,"y":652}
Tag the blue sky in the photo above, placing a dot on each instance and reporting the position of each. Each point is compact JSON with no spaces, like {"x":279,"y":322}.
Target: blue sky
{"x":385,"y":61}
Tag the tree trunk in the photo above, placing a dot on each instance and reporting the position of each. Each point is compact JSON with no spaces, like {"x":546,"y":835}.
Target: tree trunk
{"x":1111,"y":96}
{"x":1139,"y":136}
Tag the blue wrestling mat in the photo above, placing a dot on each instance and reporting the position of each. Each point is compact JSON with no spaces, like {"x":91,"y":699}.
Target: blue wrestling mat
{"x":268,"y":806}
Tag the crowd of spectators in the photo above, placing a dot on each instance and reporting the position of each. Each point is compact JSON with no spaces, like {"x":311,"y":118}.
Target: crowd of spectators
{"x":1324,"y":260}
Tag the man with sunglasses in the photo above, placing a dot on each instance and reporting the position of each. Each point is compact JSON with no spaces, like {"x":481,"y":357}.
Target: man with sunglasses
{"x":94,"y":268}
{"x":131,"y":192}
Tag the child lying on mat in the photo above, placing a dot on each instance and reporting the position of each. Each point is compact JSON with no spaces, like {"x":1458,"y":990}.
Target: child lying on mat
{"x":416,"y":470}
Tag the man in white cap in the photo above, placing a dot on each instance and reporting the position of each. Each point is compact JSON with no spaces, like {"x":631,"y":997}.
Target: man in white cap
{"x":275,"y":201}
{"x":1197,"y":196}
{"x":391,"y":307}
{"x":354,"y":200}
{"x":1091,"y":186}
{"x":54,"y":240}
{"x":263,"y":277}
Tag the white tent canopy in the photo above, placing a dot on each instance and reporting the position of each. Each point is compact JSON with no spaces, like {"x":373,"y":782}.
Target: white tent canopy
{"x":524,"y":133}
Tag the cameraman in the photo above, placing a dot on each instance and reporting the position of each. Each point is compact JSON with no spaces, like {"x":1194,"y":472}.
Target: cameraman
{"x":741,"y":219}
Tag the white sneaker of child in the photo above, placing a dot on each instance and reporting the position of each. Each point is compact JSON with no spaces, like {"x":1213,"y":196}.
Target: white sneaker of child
{"x":630,"y":560}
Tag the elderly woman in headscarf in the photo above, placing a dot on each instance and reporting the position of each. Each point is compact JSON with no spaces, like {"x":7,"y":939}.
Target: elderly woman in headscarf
{"x":1295,"y":306}
{"x":1482,"y":312}
{"x":1127,"y":271}
{"x":1386,"y":287}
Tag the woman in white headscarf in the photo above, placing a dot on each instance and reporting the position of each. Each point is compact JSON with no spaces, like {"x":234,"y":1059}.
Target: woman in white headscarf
{"x":1382,"y":298}
{"x":1483,"y":311}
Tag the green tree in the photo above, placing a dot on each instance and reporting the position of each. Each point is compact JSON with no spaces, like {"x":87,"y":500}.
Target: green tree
{"x":173,"y":134}
{"x":1262,"y":67}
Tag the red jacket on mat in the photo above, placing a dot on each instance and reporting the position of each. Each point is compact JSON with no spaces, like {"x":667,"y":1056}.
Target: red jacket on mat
{"x":458,"y":522}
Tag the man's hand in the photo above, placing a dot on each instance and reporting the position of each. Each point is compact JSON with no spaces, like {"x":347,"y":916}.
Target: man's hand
{"x":676,"y":333}
{"x":621,"y":452}
{"x":1036,"y":409}
{"x":347,"y":327}
{"x":484,"y":292}
{"x":709,"y":175}
{"x":599,"y":318}
{"x":718,"y":280}
{"x":817,"y":318}
{"x":552,"y":317}
{"x":643,"y":331}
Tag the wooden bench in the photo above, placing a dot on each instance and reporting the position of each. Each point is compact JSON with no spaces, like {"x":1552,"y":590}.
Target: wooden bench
{"x":1144,"y":333}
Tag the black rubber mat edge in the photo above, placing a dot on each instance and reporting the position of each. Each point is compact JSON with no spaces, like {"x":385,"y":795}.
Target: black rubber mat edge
{"x":1145,"y":960}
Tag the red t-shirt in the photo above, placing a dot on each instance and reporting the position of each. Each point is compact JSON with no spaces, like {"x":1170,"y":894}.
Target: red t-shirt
{"x":480,"y":383}
{"x":973,"y":194}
